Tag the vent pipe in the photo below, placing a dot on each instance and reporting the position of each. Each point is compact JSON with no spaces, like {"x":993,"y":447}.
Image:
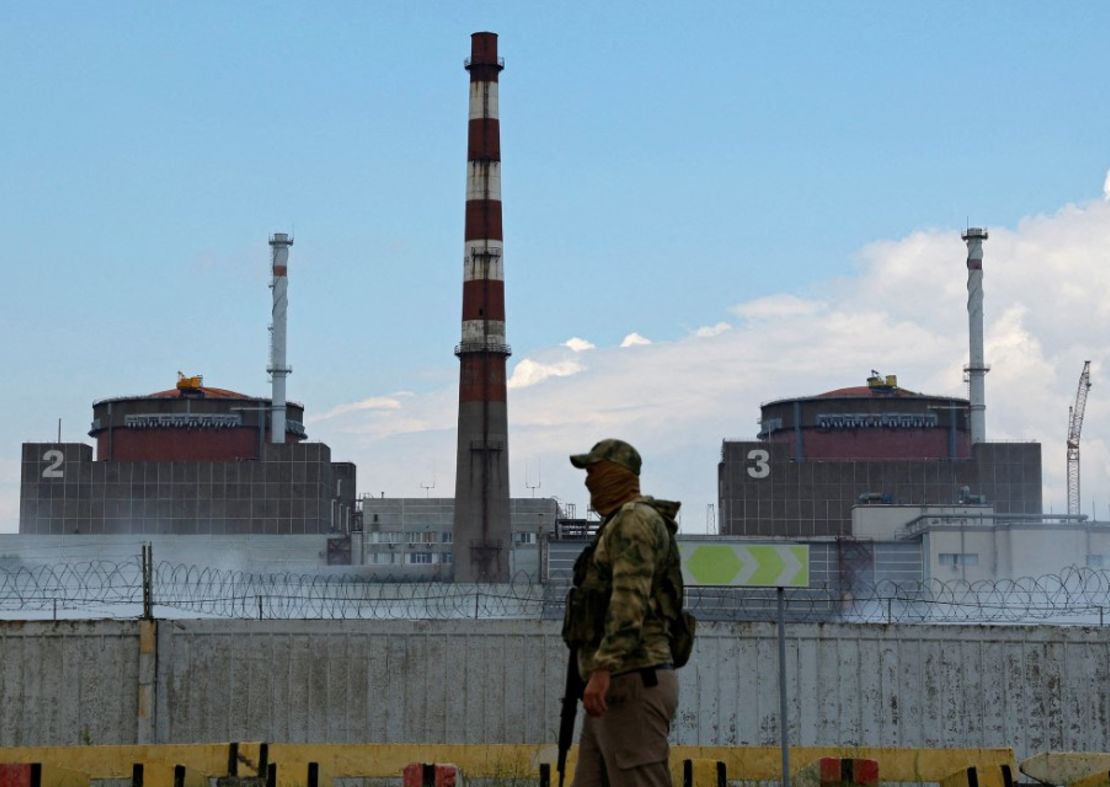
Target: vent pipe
{"x":976,"y":368}
{"x":278,"y":369}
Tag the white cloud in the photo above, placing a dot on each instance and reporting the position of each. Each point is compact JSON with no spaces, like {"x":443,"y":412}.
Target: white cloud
{"x":709,"y":331}
{"x":634,"y":339}
{"x":777,"y":306}
{"x":529,"y":372}
{"x":578,"y":345}
{"x":369,"y":403}
{"x":904,"y":313}
{"x":1106,"y":186}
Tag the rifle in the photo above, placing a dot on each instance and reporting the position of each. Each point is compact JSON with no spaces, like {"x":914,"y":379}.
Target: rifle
{"x":571,"y":694}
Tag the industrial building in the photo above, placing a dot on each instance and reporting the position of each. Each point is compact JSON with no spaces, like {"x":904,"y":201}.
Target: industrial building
{"x":816,"y":457}
{"x":890,"y":484}
{"x":414,"y":536}
{"x":975,"y":542}
{"x":194,"y":460}
{"x":189,"y":460}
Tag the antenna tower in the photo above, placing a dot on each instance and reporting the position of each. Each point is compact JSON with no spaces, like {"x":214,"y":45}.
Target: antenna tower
{"x":539,"y":479}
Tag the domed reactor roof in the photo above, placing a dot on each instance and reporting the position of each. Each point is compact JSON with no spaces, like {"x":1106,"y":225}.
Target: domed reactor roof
{"x":879,"y":420}
{"x":189,"y":422}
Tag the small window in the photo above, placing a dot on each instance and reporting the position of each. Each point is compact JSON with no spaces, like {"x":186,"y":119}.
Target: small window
{"x":1096,"y":561}
{"x":958,"y":559}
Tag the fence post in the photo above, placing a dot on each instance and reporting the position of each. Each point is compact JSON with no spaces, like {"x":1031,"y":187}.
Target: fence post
{"x":260,"y":606}
{"x":890,"y":610}
{"x":477,"y":596}
{"x":148,"y":581}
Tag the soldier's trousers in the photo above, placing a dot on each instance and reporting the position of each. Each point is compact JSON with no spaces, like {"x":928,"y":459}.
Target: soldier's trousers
{"x":627,"y":746}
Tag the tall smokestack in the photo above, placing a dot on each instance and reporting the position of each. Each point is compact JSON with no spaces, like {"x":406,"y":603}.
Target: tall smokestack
{"x":976,"y":368}
{"x":279,"y":243}
{"x":482,"y":534}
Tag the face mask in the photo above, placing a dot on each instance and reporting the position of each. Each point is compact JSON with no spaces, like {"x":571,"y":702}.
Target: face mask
{"x":610,"y":486}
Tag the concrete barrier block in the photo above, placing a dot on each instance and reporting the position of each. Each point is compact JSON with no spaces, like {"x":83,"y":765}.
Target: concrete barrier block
{"x":703,"y":773}
{"x":839,"y":772}
{"x":429,"y":774}
{"x":1066,"y":767}
{"x":20,"y":774}
{"x":1097,"y":779}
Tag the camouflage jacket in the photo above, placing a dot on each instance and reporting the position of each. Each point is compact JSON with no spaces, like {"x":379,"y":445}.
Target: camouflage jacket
{"x":630,"y":548}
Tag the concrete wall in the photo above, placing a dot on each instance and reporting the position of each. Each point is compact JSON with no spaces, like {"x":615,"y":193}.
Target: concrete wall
{"x":69,"y":682}
{"x":1033,"y":688}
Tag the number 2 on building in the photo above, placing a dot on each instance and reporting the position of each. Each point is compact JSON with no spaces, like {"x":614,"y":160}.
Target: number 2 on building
{"x":54,"y":469}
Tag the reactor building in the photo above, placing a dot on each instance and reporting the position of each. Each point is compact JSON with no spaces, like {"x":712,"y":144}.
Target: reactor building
{"x":816,"y":457}
{"x":193,"y":459}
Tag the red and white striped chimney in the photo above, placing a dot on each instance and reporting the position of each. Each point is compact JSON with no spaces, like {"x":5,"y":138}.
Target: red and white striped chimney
{"x":482,"y":532}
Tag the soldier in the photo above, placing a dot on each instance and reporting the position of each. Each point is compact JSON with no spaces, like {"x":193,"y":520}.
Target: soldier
{"x":618,"y":620}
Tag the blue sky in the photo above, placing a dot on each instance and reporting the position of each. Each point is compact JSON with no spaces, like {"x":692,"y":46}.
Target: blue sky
{"x":746,"y":169}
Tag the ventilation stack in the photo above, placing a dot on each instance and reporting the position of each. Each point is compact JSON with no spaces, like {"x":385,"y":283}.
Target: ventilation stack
{"x":976,"y":368}
{"x":278,"y":369}
{"x":482,"y":533}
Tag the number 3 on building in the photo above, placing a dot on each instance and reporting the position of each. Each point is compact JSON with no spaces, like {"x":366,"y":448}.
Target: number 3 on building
{"x":54,"y":469}
{"x":760,"y":467}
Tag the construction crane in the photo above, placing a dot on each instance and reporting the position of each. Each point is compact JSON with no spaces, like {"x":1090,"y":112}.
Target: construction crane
{"x":1075,"y":427}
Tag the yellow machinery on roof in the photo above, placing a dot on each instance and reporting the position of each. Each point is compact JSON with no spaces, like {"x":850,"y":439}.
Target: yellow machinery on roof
{"x":194,"y":383}
{"x":877,"y":380}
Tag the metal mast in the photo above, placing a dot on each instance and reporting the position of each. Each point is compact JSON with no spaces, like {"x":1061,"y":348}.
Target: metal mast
{"x":278,"y":368}
{"x":482,"y":533}
{"x":1075,"y":428}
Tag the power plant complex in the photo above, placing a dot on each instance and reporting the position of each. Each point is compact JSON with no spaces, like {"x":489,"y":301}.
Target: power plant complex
{"x":200,"y":460}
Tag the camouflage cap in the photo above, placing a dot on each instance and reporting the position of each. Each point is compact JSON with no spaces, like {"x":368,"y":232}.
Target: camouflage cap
{"x":610,"y":451}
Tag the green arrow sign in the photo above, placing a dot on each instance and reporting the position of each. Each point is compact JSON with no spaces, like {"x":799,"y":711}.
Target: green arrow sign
{"x":732,"y":564}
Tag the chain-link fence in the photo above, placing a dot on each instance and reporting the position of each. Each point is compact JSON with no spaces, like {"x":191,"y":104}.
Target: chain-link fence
{"x":94,"y":589}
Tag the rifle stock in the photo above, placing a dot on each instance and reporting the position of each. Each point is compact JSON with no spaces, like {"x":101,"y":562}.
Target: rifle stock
{"x":571,"y":694}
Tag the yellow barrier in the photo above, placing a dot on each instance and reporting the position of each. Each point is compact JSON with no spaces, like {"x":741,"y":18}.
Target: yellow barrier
{"x":508,"y":761}
{"x":973,"y":776}
{"x":66,"y":766}
{"x":703,"y":773}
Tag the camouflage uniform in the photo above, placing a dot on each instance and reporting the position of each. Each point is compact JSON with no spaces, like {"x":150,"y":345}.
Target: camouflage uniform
{"x":628,"y":745}
{"x":630,"y":547}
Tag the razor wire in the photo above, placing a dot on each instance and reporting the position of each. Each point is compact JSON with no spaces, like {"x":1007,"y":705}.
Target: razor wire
{"x":114,"y":589}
